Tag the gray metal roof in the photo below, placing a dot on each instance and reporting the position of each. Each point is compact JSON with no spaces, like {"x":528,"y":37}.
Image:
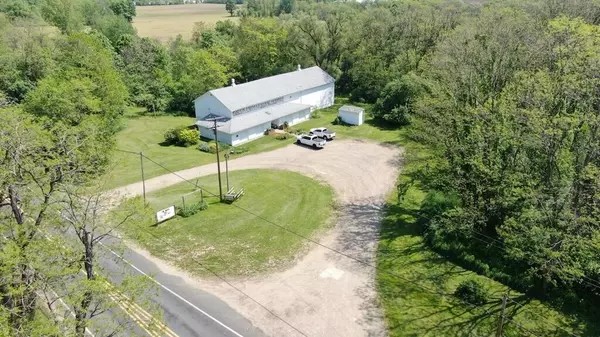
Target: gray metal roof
{"x":352,"y":108}
{"x":248,"y":120}
{"x":269,"y":88}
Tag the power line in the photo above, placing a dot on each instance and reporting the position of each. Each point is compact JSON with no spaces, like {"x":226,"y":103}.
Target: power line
{"x":217,"y":275}
{"x":126,"y":151}
{"x":228,"y":283}
{"x":328,"y":248}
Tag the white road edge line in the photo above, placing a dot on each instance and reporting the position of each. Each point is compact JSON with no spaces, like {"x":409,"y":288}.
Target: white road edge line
{"x":173,"y":293}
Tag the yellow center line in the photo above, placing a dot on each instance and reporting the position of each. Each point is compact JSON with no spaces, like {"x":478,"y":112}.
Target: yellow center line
{"x":136,"y":312}
{"x":122,"y":300}
{"x":139,"y":321}
{"x":132,"y":306}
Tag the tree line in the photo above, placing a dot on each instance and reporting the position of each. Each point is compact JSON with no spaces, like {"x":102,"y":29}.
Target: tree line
{"x":509,"y":102}
{"x":61,"y":101}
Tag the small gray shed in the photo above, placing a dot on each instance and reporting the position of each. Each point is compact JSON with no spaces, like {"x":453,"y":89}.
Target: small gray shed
{"x":352,"y":114}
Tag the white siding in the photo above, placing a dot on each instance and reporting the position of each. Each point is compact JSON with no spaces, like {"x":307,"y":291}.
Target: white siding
{"x":295,"y":118}
{"x":249,"y":134}
{"x":351,"y":117}
{"x":208,"y":104}
{"x":209,"y":133}
{"x":319,"y":97}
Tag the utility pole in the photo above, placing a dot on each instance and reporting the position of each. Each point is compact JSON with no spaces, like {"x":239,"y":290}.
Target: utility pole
{"x":501,"y":319}
{"x":227,"y":170}
{"x":143,"y":179}
{"x":218,"y":158}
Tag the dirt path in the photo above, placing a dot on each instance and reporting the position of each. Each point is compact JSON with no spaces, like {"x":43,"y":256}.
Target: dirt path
{"x":324,"y":294}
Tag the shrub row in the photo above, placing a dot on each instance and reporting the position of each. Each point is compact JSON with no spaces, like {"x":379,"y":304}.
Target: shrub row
{"x":211,"y":147}
{"x":284,"y":136}
{"x":182,"y":136}
{"x":295,"y":131}
{"x":189,"y":210}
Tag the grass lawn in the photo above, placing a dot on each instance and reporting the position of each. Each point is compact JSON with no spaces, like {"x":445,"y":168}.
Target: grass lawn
{"x":226,"y":238}
{"x":165,"y":22}
{"x":411,"y":310}
{"x":145,"y":134}
{"x":371,"y":129}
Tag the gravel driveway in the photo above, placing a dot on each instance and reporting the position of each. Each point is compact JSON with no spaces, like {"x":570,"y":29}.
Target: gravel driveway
{"x":324,"y":293}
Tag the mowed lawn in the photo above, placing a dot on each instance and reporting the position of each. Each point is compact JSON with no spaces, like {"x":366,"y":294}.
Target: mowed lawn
{"x":370,"y":130}
{"x":230,"y":240}
{"x":146,"y":134}
{"x":165,"y":22}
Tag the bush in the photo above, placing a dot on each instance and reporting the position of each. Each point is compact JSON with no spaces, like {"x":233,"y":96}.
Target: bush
{"x":339,"y":121}
{"x":284,"y":136}
{"x":187,"y":137}
{"x":294,"y":131}
{"x":171,"y":135}
{"x":239,"y":150}
{"x":182,"y":136}
{"x":211,"y":147}
{"x":472,"y":292}
{"x":316,"y":114}
{"x":189,"y":210}
{"x":204,"y":147}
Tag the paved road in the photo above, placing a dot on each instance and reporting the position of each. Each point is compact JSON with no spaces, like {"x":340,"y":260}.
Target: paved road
{"x":187,"y":311}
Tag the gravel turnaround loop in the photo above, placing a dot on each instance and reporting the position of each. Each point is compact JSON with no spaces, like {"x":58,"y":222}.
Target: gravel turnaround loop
{"x":324,"y":293}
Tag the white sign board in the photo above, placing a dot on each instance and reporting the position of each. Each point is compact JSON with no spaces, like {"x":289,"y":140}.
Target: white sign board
{"x":165,"y":214}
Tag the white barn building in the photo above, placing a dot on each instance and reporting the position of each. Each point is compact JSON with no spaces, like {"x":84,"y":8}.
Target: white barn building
{"x":249,"y":109}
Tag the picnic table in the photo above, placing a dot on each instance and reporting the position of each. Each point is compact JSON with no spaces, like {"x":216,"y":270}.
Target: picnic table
{"x":232,"y":195}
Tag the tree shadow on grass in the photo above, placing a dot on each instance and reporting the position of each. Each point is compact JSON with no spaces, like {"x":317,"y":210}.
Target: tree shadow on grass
{"x":403,"y":251}
{"x":382,"y":125}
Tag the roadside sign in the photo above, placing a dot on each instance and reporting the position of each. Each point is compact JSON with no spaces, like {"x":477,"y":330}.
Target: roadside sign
{"x":165,"y":214}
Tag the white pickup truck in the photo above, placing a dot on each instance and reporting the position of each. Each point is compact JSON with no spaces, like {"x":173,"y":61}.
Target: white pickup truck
{"x":323,"y":133}
{"x":311,"y":140}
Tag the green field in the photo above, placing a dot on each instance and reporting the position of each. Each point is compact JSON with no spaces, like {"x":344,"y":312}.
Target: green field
{"x":229,"y":240}
{"x":165,"y":22}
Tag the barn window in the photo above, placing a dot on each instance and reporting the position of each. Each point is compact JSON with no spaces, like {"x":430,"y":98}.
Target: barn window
{"x":237,"y":136}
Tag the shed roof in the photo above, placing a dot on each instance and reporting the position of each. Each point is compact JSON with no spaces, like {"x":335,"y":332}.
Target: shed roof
{"x":269,"y":88}
{"x":352,"y":108}
{"x":254,"y":118}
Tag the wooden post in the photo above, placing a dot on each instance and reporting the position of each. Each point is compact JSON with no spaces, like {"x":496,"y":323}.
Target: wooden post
{"x":218,"y":161}
{"x":227,"y":170}
{"x":183,"y":201}
{"x":143,"y":179}
{"x":501,"y":320}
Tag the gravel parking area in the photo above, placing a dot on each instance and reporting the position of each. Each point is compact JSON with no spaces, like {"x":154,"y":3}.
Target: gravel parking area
{"x":324,"y":293}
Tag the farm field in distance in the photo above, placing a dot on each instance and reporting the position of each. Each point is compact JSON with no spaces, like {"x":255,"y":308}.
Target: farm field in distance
{"x":165,"y":22}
